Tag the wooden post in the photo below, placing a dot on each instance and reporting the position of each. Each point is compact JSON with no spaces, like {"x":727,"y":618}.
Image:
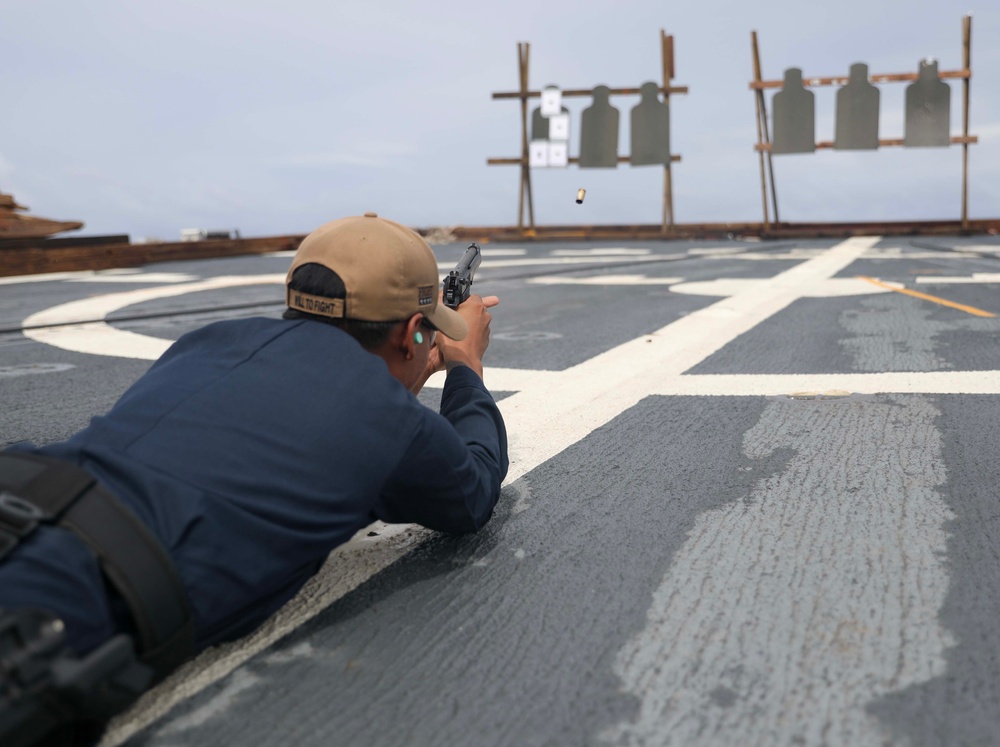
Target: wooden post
{"x":758,"y":103}
{"x":523,"y":49}
{"x":967,"y":66}
{"x":667,"y":62}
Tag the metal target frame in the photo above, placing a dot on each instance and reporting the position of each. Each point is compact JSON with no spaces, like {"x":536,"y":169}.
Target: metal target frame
{"x":764,"y":145}
{"x":524,"y":93}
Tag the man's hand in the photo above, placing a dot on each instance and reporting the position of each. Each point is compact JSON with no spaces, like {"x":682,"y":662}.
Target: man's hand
{"x":446,"y":353}
{"x":469,"y":352}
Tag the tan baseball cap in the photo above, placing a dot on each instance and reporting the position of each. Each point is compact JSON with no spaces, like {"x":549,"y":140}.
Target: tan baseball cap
{"x":389,"y":271}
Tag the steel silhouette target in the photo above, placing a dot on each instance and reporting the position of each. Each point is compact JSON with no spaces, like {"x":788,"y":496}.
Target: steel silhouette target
{"x":794,"y":116}
{"x":928,"y":109}
{"x":650,"y":129}
{"x":857,"y":112}
{"x":927,"y":122}
{"x":599,"y":132}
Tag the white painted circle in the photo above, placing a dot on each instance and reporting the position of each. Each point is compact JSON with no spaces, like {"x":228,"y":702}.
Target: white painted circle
{"x":61,"y":327}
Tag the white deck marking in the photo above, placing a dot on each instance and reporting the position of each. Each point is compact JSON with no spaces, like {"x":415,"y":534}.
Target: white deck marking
{"x":828,"y":288}
{"x":597,"y":252}
{"x":875,"y":253}
{"x":100,"y":338}
{"x":903,"y":382}
{"x":976,"y":277}
{"x":100,"y":276}
{"x":604,"y":280}
{"x":766,"y":385}
{"x":496,"y":252}
{"x":45,"y":277}
{"x":139,"y":277}
{"x":719,"y":286}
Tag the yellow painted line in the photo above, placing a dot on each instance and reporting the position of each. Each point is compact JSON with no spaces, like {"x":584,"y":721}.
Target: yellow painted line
{"x":927,"y":297}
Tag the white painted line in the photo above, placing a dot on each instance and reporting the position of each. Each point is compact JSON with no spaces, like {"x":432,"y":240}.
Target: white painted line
{"x":827,"y":288}
{"x":875,"y":253}
{"x":44,"y":278}
{"x":490,"y":251}
{"x":902,"y":382}
{"x":139,"y":277}
{"x":976,"y":277}
{"x":768,"y":385}
{"x":796,"y":255}
{"x":596,"y":252}
{"x":720,"y":286}
{"x":114,"y":275}
{"x":897,"y":253}
{"x":604,"y":280}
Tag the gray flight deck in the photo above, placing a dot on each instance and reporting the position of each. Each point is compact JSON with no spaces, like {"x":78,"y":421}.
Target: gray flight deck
{"x":753,"y":500}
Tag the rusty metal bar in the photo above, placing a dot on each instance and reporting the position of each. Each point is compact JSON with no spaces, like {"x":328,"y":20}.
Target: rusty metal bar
{"x":524,"y":132}
{"x":841,"y":80}
{"x":667,"y":61}
{"x":761,"y":124}
{"x":955,"y":140}
{"x":967,"y":64}
{"x":760,"y":131}
{"x":523,"y":53}
{"x":577,"y":92}
{"x":523,"y":86}
{"x":671,"y":74}
{"x":574,"y":159}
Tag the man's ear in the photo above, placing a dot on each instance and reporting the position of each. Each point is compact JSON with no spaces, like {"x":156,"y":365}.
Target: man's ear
{"x":412,"y":329}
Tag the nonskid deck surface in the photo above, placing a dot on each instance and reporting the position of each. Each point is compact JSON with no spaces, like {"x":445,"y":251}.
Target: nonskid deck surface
{"x":750,"y":501}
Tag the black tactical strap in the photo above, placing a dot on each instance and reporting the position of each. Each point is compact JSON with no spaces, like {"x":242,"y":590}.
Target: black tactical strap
{"x":141,"y":571}
{"x":133,"y":560}
{"x":48,"y":484}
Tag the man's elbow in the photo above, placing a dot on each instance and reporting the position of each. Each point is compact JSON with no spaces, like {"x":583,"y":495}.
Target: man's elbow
{"x":480,"y":504}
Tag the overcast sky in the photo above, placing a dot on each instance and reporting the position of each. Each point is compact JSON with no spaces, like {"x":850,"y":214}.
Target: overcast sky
{"x":147,"y":117}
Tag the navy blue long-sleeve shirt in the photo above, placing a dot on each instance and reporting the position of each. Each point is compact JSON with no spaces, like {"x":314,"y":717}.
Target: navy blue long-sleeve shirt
{"x":254,"y":447}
